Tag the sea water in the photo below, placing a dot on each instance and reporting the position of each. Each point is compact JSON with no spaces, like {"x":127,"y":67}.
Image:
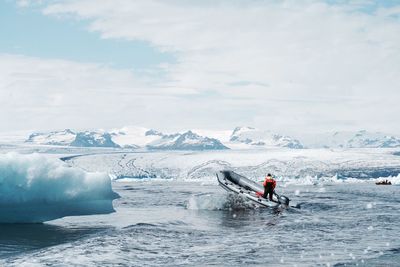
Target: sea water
{"x":175,"y":223}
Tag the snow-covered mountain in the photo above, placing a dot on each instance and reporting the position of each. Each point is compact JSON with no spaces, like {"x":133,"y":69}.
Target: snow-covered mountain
{"x":152,"y":139}
{"x":255,"y":137}
{"x":70,"y":138}
{"x":241,"y":137}
{"x":360,"y":139}
{"x":134,"y":137}
{"x":186,"y":141}
{"x":93,"y":139}
{"x":57,"y":138}
{"x":128,"y":137}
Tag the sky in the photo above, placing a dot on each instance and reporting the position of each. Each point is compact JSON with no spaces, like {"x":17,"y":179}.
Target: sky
{"x":294,"y":67}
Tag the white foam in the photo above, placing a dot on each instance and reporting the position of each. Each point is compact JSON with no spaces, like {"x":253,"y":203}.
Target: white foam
{"x":218,"y":202}
{"x":393,"y":180}
{"x":34,"y":188}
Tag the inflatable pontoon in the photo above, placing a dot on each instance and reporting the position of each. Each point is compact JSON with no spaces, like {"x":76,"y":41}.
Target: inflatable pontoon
{"x":235,"y":183}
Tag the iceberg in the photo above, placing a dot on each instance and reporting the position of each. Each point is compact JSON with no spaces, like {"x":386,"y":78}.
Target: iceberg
{"x":35,"y":189}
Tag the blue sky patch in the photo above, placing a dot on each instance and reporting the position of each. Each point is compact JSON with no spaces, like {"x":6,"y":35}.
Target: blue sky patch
{"x":27,"y":32}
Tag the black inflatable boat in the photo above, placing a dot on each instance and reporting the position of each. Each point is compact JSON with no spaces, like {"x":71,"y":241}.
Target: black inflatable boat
{"x":235,"y":183}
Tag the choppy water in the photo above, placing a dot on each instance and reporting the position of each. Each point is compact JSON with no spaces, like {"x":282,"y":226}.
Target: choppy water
{"x":182,"y":223}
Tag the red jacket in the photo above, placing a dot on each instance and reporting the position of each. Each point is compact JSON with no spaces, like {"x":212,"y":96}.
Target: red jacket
{"x":269,"y":180}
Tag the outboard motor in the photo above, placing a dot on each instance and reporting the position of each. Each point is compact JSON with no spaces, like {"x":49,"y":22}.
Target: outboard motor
{"x":283,"y":200}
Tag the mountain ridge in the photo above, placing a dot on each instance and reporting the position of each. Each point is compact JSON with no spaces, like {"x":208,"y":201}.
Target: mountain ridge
{"x":239,"y":138}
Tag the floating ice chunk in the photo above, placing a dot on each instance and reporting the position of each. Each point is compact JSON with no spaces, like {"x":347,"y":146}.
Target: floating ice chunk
{"x":34,"y":189}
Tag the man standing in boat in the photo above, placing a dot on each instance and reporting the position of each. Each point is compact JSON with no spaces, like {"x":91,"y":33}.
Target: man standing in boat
{"x":269,"y":186}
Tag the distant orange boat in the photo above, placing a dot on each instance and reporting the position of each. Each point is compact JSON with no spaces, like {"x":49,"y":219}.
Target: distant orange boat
{"x":386,"y":182}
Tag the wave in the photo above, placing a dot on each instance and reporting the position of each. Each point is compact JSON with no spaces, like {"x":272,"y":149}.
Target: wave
{"x":218,"y":202}
{"x":34,"y":188}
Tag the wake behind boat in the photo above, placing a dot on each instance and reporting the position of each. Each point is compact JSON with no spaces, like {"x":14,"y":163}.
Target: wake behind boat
{"x":235,"y":183}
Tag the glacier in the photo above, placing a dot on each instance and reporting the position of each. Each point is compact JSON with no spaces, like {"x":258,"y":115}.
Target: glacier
{"x":291,"y":166}
{"x":35,"y":189}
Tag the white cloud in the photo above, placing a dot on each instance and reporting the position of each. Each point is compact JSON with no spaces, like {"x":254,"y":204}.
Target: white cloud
{"x":43,"y":94}
{"x":288,"y":65}
{"x":48,"y":94}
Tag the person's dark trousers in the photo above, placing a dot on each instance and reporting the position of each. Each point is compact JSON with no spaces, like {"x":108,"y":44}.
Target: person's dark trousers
{"x":268,"y":190}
